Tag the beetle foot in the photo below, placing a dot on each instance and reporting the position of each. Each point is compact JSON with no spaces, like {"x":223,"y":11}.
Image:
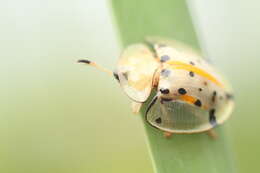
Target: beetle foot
{"x":212,"y":134}
{"x":167,"y":134}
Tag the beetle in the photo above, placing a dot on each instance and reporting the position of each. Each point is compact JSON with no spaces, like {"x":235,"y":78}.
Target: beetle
{"x":191,"y":95}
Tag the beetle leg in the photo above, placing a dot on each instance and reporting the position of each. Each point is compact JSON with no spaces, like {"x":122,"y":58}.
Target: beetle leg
{"x":136,"y":107}
{"x":156,"y":78}
{"x":212,"y":134}
{"x":93,"y":64}
{"x":167,"y":134}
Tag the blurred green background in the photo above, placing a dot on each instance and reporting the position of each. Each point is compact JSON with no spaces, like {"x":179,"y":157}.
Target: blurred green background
{"x":59,"y":116}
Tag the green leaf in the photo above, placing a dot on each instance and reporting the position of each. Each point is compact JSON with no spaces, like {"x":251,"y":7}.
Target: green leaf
{"x":137,"y":19}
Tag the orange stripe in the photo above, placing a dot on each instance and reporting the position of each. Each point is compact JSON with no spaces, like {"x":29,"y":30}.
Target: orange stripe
{"x":190,"y":100}
{"x":184,"y":66}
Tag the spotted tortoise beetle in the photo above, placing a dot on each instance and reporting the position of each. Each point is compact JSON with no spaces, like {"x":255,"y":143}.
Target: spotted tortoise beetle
{"x":191,"y":97}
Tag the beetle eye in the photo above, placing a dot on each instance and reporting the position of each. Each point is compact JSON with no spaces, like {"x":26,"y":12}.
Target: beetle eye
{"x":116,"y":76}
{"x":164,"y":91}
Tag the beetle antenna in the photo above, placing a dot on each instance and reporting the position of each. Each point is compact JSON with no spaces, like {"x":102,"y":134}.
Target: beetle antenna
{"x":93,"y":64}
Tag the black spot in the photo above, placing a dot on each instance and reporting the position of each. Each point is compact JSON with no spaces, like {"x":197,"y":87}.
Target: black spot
{"x":182,"y":91}
{"x":158,"y":120}
{"x":192,"y":63}
{"x":198,"y":103}
{"x":165,"y":58}
{"x":116,"y":76}
{"x":200,"y":89}
{"x":84,"y":61}
{"x":214,"y":96}
{"x":212,"y":117}
{"x":191,"y":73}
{"x":164,"y":91}
{"x":229,"y":96}
{"x":212,"y":112}
{"x":165,"y":72}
